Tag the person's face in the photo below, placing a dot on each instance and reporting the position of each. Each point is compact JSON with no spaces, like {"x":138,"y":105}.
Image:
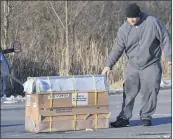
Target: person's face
{"x":133,"y":21}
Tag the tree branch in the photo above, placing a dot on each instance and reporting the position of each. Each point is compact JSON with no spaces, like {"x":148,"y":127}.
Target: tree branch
{"x":57,"y":15}
{"x":76,"y":14}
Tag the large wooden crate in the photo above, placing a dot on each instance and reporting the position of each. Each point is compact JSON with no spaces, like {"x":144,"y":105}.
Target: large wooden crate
{"x":66,"y":110}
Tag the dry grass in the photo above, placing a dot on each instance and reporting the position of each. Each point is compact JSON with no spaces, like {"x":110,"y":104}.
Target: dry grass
{"x":61,"y":40}
{"x":86,"y":59}
{"x":118,"y":84}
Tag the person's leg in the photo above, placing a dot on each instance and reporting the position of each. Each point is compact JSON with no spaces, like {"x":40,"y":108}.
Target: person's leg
{"x":150,"y":85}
{"x":131,"y":89}
{"x":123,"y":103}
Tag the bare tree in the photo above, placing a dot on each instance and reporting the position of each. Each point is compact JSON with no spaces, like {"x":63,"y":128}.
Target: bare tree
{"x":67,"y":37}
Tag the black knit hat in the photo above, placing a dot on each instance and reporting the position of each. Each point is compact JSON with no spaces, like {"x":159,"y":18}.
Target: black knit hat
{"x":133,"y":10}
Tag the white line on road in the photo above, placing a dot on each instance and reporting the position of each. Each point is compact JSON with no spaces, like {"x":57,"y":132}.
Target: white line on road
{"x":11,"y":105}
{"x":161,"y":93}
{"x":161,"y":101}
{"x":157,"y":114}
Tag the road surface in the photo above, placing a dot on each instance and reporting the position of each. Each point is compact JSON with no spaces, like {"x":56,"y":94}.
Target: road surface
{"x":12,"y":122}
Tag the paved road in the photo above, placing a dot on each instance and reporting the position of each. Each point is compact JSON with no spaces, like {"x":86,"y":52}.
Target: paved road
{"x":12,"y":122}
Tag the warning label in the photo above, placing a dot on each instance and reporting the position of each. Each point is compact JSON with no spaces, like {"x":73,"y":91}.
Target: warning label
{"x":81,"y":99}
{"x":59,"y":96}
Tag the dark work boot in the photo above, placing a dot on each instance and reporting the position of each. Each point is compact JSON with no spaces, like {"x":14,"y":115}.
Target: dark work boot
{"x":146,"y":122}
{"x":120,"y":123}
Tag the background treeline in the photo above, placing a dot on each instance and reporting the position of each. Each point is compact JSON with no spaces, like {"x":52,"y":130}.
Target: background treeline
{"x":65,"y":38}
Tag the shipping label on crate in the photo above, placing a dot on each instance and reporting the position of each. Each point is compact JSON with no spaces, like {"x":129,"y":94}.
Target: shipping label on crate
{"x":59,"y":96}
{"x":34,"y":104}
{"x":82,"y":99}
{"x":62,"y":110}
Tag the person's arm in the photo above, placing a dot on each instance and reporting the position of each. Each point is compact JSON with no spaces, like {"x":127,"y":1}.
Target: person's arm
{"x":117,"y":50}
{"x":165,"y":40}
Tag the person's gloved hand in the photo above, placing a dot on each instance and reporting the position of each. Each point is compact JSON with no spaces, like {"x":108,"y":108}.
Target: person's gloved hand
{"x":169,"y":62}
